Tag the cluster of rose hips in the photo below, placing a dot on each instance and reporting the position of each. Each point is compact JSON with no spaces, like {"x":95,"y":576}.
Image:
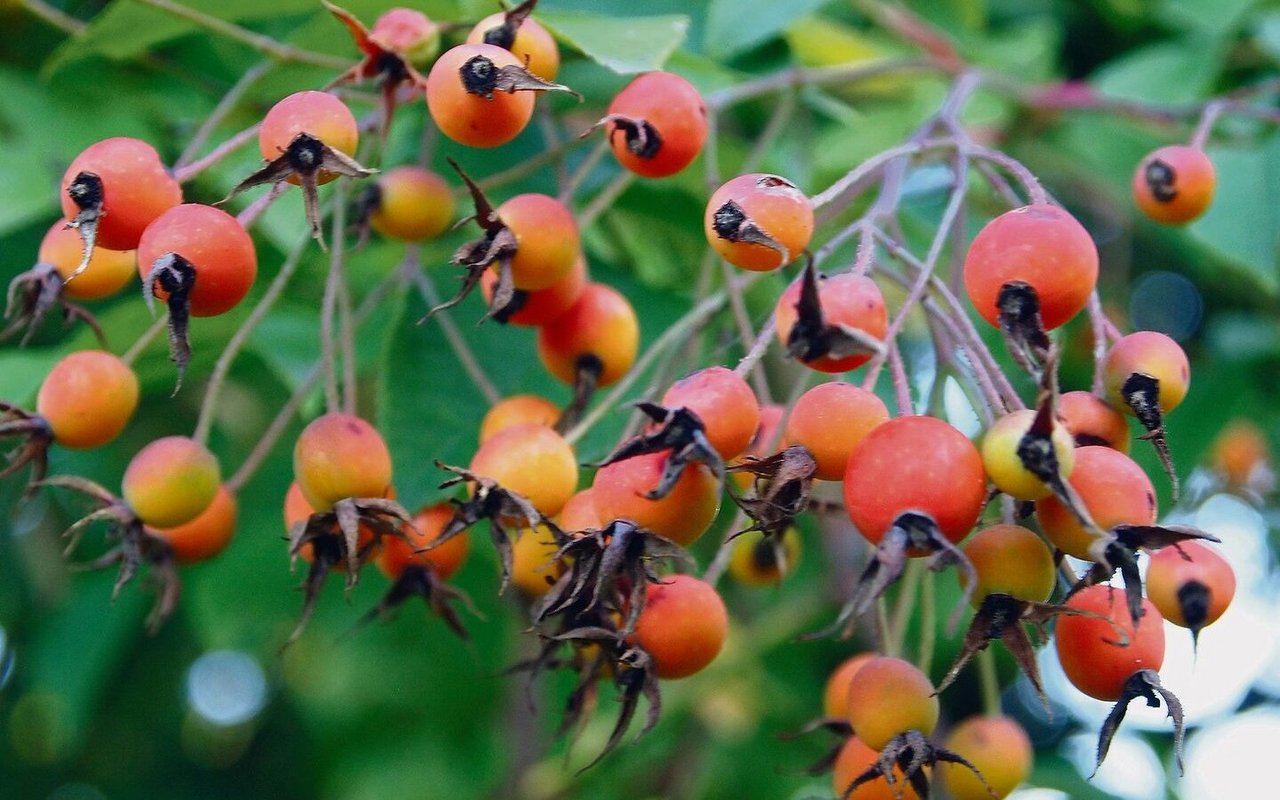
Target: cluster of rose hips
{"x":592,"y":558}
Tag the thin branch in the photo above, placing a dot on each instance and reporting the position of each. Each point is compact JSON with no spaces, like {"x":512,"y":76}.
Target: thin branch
{"x":148,"y":336}
{"x":224,"y":107}
{"x":741,"y":318}
{"x":589,"y":162}
{"x":55,"y":17}
{"x":604,"y":198}
{"x":457,"y":342}
{"x":237,"y":140}
{"x":797,"y":77}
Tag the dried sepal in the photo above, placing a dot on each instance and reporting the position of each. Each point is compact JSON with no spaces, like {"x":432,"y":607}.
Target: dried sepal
{"x":678,"y":430}
{"x":1144,"y":683}
{"x":1117,"y":551}
{"x":1141,"y":394}
{"x":733,"y":224}
{"x":781,"y":490}
{"x":1023,"y":327}
{"x":586,"y":379}
{"x":504,"y":35}
{"x":812,"y":337}
{"x":30,"y":298}
{"x":176,"y":277}
{"x":481,"y":77}
{"x":422,"y":581}
{"x":911,"y":531}
{"x":507,"y":512}
{"x":305,"y":158}
{"x":1036,"y":451}
{"x":641,"y":138}
{"x":909,"y":753}
{"x":34,"y":437}
{"x":838,"y":727}
{"x":86,"y":191}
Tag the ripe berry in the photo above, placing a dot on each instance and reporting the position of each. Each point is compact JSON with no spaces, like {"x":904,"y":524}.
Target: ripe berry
{"x":171,"y":481}
{"x":87,"y":398}
{"x":759,"y":222}
{"x":531,"y":44}
{"x":534,"y":568}
{"x":725,"y":404}
{"x":1113,"y":489}
{"x":846,"y":299}
{"x":854,"y":759}
{"x":339,"y":456}
{"x":1174,"y":184}
{"x":835,"y":696}
{"x":919,"y":464}
{"x":136,"y":188}
{"x":682,"y":516}
{"x":546,"y":240}
{"x":541,"y":306}
{"x":397,"y":554}
{"x":765,"y":441}
{"x":600,"y":330}
{"x":476,"y":116}
{"x":408,"y":33}
{"x":531,"y":460}
{"x":1152,"y":354}
{"x":205,"y":536}
{"x":998,"y":747}
{"x":518,"y":409}
{"x":1191,"y":584}
{"x":1005,"y":468}
{"x":831,"y":420}
{"x":317,"y":114}
{"x":297,"y":509}
{"x":1092,"y":421}
{"x":1040,"y":245}
{"x":889,"y":696}
{"x":683,"y":625}
{"x":212,"y":244}
{"x":411,"y":204}
{"x":657,"y":124}
{"x":108,"y":270}
{"x":1099,"y":655}
{"x":1009,"y":559}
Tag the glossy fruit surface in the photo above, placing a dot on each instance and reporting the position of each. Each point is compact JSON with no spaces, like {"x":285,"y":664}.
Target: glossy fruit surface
{"x":171,"y":481}
{"x":854,"y":759}
{"x":205,"y":536}
{"x":1113,"y":488}
{"x":409,"y":33}
{"x":319,"y":114}
{"x":472,"y":119}
{"x":108,"y":270}
{"x":889,"y":696}
{"x":1012,"y":560}
{"x":1173,"y":569}
{"x":724,"y":402}
{"x":674,"y":110}
{"x":531,"y":460}
{"x":1147,"y":353}
{"x":533,"y":44}
{"x":1041,"y":245}
{"x":1093,"y":421}
{"x":682,"y":516}
{"x":919,"y":464}
{"x":533,"y":565}
{"x":775,"y":205}
{"x":518,"y":409}
{"x":998,"y":747}
{"x":601,"y":327}
{"x":835,"y":696}
{"x":215,"y":244}
{"x":397,"y":554}
{"x":683,"y":625}
{"x":846,"y":299}
{"x":88,"y":398}
{"x":136,"y":188}
{"x":413,"y":204}
{"x":542,"y":306}
{"x":1005,"y":468}
{"x":579,"y":513}
{"x":546,"y":240}
{"x":1091,"y":650}
{"x":1174,"y":184}
{"x":340,"y":456}
{"x":831,"y":420}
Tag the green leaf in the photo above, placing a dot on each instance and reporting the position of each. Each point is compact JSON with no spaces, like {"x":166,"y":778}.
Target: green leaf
{"x":1242,"y":225}
{"x":625,"y":45}
{"x":1169,"y":72}
{"x":734,"y":26}
{"x":1215,"y":18}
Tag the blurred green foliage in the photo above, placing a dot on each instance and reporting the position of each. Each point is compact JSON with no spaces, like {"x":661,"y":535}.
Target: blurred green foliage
{"x":402,"y":708}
